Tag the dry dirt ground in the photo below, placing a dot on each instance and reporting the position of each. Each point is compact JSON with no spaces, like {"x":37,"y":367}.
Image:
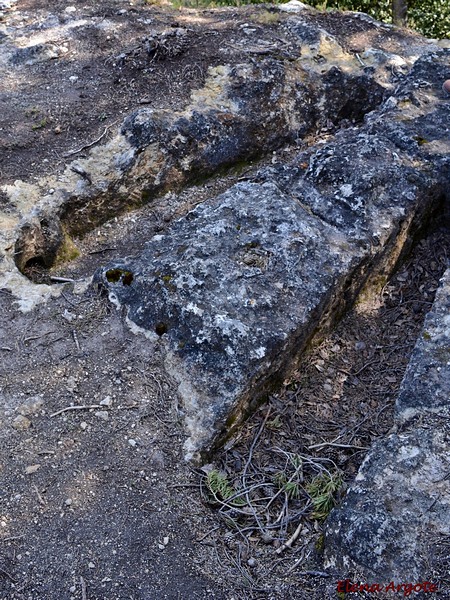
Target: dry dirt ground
{"x":96,"y":502}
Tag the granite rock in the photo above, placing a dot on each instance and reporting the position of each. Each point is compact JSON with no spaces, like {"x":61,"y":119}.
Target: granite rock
{"x":238,"y":287}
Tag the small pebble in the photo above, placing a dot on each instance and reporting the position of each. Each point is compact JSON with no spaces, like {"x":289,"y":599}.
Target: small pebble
{"x":21,"y":423}
{"x":132,"y":442}
{"x":68,"y":502}
{"x":102,"y":414}
{"x":360,"y":346}
{"x":31,"y":407}
{"x":251,"y":562}
{"x":446,"y":86}
{"x":32,"y":469}
{"x":83,"y":425}
{"x":107,"y":401}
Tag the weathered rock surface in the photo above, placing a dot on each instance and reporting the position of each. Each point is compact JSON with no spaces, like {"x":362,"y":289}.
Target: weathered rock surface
{"x":300,"y":76}
{"x":238,"y":287}
{"x":399,"y":504}
{"x":233,"y":292}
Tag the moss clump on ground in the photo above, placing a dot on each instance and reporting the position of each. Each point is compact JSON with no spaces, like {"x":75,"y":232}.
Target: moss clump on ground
{"x":68,"y":251}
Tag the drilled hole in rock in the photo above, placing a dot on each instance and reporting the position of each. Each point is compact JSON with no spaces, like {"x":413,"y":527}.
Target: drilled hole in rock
{"x":292,"y":459}
{"x":36,"y":270}
{"x":161,"y":328}
{"x":122,"y":275}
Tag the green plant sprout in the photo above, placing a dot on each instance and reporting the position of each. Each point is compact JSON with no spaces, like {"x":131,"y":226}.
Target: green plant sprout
{"x":322,"y":490}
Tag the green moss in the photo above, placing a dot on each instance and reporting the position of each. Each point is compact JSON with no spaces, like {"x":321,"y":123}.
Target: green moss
{"x":265,"y":18}
{"x":167,"y":281}
{"x":320,"y":542}
{"x":426,"y":336}
{"x":67,"y":252}
{"x":42,"y":123}
{"x":116,"y":275}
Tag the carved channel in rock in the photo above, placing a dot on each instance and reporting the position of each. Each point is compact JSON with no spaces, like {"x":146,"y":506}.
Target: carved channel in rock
{"x":243,"y":114}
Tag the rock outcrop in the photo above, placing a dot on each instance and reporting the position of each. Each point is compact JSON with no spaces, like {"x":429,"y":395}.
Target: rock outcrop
{"x":238,"y":287}
{"x":302,"y":76}
{"x":234,"y":291}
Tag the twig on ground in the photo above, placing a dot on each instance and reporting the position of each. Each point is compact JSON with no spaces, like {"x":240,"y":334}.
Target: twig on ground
{"x":75,"y":339}
{"x":11,"y":538}
{"x":5,"y":348}
{"x":83,"y":589}
{"x":36,"y":337}
{"x":298,"y":561}
{"x":102,"y":250}
{"x":67,"y":299}
{"x":255,"y":441}
{"x":291,"y":540}
{"x":207,"y":534}
{"x":314,"y":446}
{"x":40,"y":498}
{"x":8,"y":575}
{"x":360,"y":60}
{"x":76,"y":407}
{"x":86,"y":146}
{"x":61,"y":279}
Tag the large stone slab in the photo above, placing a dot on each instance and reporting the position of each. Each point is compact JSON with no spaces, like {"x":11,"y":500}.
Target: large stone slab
{"x":304,"y":73}
{"x":232,"y":289}
{"x":237,"y":288}
{"x":399,"y":505}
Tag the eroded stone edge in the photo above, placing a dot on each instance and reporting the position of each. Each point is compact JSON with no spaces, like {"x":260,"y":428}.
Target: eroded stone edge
{"x":399,"y":504}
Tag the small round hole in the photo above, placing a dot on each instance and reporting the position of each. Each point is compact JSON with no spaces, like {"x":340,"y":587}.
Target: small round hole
{"x":161,"y":328}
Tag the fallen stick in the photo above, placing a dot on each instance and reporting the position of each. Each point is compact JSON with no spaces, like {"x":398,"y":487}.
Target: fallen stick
{"x":86,"y":146}
{"x":61,"y":279}
{"x":291,"y":540}
{"x":77,"y":407}
{"x":8,"y":575}
{"x":83,"y":589}
{"x":315,"y":446}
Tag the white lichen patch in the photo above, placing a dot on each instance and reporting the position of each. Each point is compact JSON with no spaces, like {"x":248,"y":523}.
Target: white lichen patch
{"x":214,"y":94}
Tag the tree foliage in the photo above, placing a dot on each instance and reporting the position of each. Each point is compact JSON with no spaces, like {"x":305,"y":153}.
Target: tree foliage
{"x":430,"y":17}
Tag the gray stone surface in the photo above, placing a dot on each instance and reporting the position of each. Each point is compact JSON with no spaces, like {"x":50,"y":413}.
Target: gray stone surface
{"x":233,"y":289}
{"x":399,"y":505}
{"x":238,"y":287}
{"x":300,"y":77}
